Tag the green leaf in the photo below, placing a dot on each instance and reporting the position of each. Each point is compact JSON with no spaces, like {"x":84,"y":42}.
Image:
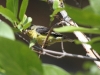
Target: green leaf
{"x":94,"y":70}
{"x":96,"y":46}
{"x":17,"y":59}
{"x":25,"y":23}
{"x":32,"y":42}
{"x":28,"y":23}
{"x":88,"y":9}
{"x":82,"y":29}
{"x":23,"y":9}
{"x":12,"y":5}
{"x":95,"y":4}
{"x":2,"y":71}
{"x":78,"y":73}
{"x":53,"y":70}
{"x":95,"y":43}
{"x":8,"y":14}
{"x":15,"y":30}
{"x":56,"y":4}
{"x":96,"y":39}
{"x":20,"y":25}
{"x":84,"y":17}
{"x":54,"y":13}
{"x":6,"y":31}
{"x":87,"y":65}
{"x":24,"y":19}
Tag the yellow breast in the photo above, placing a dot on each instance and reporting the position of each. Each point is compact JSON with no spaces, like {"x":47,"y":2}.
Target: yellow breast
{"x":40,"y":38}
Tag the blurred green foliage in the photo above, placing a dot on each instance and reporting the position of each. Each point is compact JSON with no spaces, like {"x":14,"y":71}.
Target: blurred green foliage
{"x":17,"y":59}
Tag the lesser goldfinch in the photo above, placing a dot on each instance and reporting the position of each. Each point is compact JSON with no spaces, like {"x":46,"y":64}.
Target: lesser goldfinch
{"x":39,"y":33}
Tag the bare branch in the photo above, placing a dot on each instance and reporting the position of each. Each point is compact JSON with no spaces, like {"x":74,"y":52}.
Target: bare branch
{"x":47,"y":37}
{"x":57,"y":54}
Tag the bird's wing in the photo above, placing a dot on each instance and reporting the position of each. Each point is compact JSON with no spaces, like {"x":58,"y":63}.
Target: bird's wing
{"x":42,"y":29}
{"x":55,"y":34}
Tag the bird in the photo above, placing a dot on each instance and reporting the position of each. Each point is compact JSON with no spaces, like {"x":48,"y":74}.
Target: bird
{"x":39,"y":34}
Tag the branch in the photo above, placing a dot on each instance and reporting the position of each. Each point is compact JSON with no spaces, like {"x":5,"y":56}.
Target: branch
{"x":56,"y":54}
{"x":49,"y":32}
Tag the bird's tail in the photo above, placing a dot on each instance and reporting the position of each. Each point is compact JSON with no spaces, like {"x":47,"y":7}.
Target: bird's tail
{"x":67,"y":39}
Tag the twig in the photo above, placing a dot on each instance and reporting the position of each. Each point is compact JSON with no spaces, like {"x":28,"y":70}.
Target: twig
{"x":57,"y":54}
{"x":49,"y":32}
{"x":20,"y":36}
